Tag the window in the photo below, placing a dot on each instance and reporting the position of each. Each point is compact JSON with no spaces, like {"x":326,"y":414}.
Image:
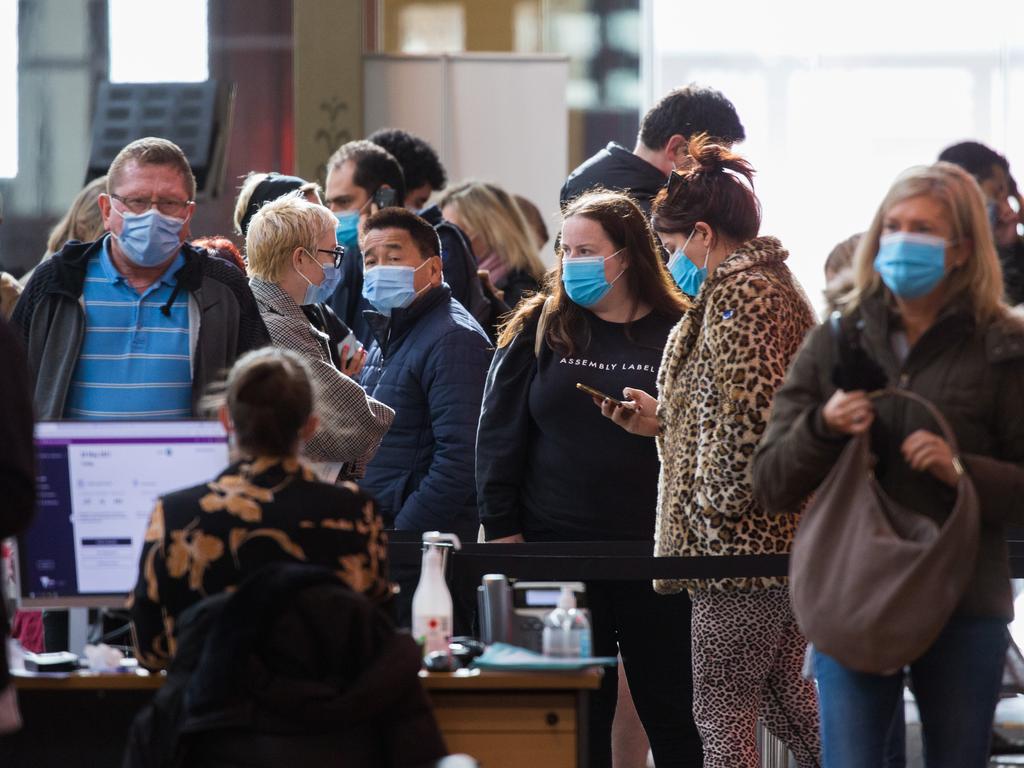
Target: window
{"x":153,"y":41}
{"x":433,"y":28}
{"x":9,"y":88}
{"x":838,"y":99}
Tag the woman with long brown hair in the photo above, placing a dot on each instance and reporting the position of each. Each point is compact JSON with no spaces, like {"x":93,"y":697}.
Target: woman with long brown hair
{"x":549,"y":468}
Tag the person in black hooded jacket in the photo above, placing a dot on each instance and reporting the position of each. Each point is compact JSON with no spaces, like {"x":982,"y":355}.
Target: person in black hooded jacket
{"x":660,"y":147}
{"x":294,"y":668}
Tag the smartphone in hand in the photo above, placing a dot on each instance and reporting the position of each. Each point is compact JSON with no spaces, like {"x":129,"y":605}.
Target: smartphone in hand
{"x":352,"y":345}
{"x":385,"y":197}
{"x":602,"y":396}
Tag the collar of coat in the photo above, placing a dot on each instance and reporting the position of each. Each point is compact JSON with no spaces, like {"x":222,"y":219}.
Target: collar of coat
{"x":758,"y":252}
{"x":755,"y":253}
{"x":1004,"y":337}
{"x":274,"y":298}
{"x":389,"y":330}
{"x":71,"y":262}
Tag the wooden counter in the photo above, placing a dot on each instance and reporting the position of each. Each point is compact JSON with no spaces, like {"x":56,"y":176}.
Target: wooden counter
{"x":500,"y":718}
{"x":87,"y":681}
{"x":514,"y":719}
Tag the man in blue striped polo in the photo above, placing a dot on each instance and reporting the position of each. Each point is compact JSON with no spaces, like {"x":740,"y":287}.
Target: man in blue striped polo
{"x":138,"y":323}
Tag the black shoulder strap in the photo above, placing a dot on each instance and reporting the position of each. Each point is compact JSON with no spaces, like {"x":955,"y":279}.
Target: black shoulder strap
{"x":854,"y":369}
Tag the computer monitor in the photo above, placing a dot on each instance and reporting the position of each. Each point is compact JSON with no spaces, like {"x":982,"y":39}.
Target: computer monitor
{"x":97,"y":483}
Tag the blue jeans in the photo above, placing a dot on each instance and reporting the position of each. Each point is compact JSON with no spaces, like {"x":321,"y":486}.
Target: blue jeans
{"x":956,"y":684}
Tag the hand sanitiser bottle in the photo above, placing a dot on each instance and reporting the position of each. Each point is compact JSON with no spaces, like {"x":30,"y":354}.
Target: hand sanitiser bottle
{"x":432,"y":602}
{"x":567,"y":628}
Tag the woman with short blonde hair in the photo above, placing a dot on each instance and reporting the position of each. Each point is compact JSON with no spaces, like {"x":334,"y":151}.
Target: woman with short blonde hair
{"x":280,"y":228}
{"x":294,"y":260}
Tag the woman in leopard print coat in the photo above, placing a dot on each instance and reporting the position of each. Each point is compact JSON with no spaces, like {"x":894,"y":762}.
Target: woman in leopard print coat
{"x":722,"y":365}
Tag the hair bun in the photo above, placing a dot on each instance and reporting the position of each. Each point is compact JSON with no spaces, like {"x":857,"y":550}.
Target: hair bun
{"x":712,"y":185}
{"x":706,"y":156}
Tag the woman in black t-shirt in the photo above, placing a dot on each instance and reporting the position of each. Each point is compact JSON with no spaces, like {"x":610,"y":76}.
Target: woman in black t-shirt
{"x":550,"y":468}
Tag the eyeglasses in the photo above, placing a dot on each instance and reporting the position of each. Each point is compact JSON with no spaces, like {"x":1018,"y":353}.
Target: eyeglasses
{"x":338,"y":253}
{"x":175,"y":208}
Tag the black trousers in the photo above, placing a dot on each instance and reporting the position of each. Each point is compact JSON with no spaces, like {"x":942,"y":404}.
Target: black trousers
{"x":652,"y":632}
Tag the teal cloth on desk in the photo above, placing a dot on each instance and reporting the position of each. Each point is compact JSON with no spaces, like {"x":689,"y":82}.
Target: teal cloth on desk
{"x":501,"y":656}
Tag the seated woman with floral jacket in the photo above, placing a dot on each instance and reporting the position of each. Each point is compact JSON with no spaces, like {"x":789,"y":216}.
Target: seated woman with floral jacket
{"x":267,"y":507}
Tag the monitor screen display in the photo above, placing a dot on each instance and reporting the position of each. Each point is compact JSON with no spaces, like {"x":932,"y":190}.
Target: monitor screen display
{"x":97,"y":483}
{"x":541,"y":598}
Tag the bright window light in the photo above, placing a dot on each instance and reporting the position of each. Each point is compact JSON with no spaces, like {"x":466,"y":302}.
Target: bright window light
{"x":9,"y":88}
{"x":837,"y":99}
{"x":432,"y":28}
{"x":153,"y":41}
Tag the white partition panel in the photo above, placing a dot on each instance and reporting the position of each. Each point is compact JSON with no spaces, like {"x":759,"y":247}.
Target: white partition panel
{"x":492,"y":117}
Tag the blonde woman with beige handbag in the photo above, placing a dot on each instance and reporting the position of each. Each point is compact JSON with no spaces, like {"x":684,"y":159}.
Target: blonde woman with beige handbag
{"x":928,"y":310}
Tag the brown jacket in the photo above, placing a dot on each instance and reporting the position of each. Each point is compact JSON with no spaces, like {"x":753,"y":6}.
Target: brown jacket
{"x":975,"y":376}
{"x":722,"y":365}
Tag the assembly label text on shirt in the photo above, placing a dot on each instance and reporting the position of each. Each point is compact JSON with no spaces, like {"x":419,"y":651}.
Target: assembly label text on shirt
{"x":584,"y":363}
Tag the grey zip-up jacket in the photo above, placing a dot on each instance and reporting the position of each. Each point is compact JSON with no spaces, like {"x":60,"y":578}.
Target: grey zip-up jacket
{"x":223,"y":321}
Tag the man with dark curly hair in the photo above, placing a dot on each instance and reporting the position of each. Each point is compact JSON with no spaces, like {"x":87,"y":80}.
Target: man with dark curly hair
{"x":424,"y":173}
{"x":660,"y":147}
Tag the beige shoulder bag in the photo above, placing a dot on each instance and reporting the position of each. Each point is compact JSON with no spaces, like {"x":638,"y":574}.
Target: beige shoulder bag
{"x":873,"y":583}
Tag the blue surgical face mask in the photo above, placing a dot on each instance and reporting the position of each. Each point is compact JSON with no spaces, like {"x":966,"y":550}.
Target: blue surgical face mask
{"x":388,"y":288}
{"x":319,"y":294}
{"x":149,"y":239}
{"x":911,"y":264}
{"x":347,"y":229}
{"x":584,"y":279}
{"x":688,"y":276}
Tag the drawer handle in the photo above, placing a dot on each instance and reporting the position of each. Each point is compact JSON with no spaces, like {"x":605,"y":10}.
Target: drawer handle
{"x":551,"y":718}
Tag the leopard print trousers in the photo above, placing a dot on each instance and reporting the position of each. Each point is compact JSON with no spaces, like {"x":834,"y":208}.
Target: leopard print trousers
{"x":747,"y":659}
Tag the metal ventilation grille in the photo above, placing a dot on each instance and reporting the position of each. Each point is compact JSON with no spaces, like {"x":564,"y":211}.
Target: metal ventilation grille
{"x":185,"y":113}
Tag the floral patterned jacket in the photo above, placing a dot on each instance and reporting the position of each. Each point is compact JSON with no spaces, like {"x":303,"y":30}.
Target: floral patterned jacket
{"x":207,"y":539}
